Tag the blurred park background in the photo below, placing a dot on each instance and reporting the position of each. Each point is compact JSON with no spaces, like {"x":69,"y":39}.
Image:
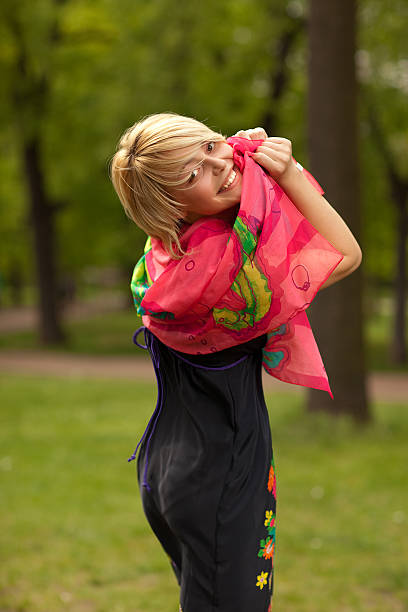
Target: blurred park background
{"x":75,"y":392}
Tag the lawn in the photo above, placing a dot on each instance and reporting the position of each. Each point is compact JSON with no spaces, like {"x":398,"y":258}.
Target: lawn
{"x":74,"y":536}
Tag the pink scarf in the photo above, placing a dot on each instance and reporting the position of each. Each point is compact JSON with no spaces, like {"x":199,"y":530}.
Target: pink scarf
{"x":238,"y":282}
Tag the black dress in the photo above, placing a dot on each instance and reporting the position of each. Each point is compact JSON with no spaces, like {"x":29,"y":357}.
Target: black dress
{"x":207,"y":477}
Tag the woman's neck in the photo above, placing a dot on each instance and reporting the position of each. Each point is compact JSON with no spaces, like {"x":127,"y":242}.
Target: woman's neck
{"x":229,"y":215}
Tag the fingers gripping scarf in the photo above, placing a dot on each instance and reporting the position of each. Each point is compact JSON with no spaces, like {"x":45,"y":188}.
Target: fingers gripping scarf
{"x":237,"y":283}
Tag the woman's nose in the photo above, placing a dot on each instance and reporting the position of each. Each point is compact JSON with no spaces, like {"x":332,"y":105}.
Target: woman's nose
{"x":218,"y":164}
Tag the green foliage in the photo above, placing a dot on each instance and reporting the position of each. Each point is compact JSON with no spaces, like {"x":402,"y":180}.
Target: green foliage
{"x":105,"y":64}
{"x":382,"y":62}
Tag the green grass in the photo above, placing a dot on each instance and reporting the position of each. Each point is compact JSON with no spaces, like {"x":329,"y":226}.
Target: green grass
{"x":108,"y":334}
{"x":74,"y":536}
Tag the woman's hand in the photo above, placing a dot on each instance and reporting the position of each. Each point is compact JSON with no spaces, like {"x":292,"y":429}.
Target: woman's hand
{"x":275,"y":156}
{"x":257,"y":133}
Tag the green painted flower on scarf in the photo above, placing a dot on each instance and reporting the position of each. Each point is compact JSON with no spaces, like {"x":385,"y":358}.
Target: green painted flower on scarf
{"x":252,"y":286}
{"x":140,"y":283}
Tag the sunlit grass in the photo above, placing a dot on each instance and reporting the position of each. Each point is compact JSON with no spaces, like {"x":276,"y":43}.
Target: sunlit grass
{"x":74,"y":536}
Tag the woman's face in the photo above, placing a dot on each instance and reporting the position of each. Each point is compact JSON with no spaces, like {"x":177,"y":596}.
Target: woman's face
{"x":211,"y":187}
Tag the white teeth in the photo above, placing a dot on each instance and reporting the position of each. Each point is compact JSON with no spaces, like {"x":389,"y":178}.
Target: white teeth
{"x":230,"y":179}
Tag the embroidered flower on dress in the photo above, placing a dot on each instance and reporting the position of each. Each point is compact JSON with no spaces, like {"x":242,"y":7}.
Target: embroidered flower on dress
{"x":272,"y":479}
{"x":272,"y":529}
{"x":262,"y":580}
{"x":267,"y":548}
{"x":270,"y":522}
{"x":268,"y":517}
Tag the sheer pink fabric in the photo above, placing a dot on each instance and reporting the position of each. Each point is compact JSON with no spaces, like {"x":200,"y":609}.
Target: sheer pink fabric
{"x":238,"y":282}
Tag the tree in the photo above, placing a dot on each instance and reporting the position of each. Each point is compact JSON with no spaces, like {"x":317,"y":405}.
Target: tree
{"x":29,"y":92}
{"x":332,"y":134}
{"x":399,"y":195}
{"x":279,"y":72}
{"x":383,"y":75}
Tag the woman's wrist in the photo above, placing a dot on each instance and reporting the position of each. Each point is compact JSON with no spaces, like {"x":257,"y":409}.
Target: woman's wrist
{"x":291,"y":177}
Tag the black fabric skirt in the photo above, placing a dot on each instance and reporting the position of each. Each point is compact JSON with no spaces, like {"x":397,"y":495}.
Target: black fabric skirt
{"x":207,"y":476}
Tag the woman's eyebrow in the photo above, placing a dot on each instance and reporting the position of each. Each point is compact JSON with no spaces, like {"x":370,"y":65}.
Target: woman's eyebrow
{"x":191,"y":160}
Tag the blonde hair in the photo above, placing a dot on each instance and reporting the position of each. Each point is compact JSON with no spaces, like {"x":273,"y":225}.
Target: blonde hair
{"x":142,"y":171}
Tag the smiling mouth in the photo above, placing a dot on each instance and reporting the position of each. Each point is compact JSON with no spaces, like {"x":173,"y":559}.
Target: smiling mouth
{"x":231,"y":180}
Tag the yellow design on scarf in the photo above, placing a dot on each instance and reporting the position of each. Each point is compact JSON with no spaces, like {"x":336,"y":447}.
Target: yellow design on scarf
{"x":252,"y":286}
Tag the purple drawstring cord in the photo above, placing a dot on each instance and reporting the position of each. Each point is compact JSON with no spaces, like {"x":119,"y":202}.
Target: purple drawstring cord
{"x":197,"y":365}
{"x":150,"y":345}
{"x":153,"y":350}
{"x":135,"y":335}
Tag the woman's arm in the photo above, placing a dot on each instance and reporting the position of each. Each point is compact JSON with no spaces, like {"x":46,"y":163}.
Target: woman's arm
{"x":275,"y":155}
{"x":325,"y":219}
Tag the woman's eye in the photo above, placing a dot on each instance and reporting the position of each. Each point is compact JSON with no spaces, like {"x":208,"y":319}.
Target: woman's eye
{"x":193,"y":175}
{"x":210,"y":146}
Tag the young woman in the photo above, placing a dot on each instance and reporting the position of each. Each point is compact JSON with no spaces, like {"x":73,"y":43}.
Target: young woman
{"x":240,"y":240}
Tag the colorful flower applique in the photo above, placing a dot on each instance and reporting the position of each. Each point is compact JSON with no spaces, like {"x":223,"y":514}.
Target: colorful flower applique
{"x":272,"y":479}
{"x":269,"y":523}
{"x":267,"y":548}
{"x":269,"y":518}
{"x":267,"y":545}
{"x":262,"y":580}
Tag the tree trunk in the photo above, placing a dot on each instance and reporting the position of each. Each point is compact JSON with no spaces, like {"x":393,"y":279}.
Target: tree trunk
{"x":42,"y":219}
{"x":15,"y":282}
{"x":30,"y":94}
{"x":398,"y":347}
{"x":398,"y":186}
{"x":278,"y":77}
{"x":336,"y":314}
